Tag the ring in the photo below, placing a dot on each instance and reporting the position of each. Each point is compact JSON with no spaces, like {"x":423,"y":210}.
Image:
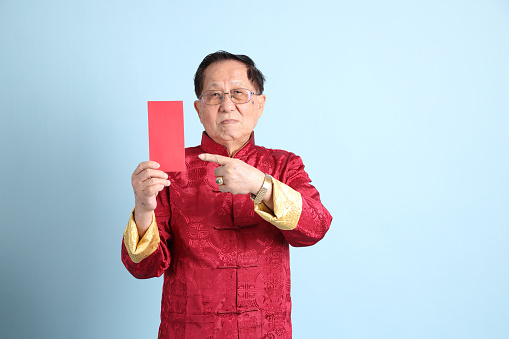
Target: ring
{"x":219,"y":181}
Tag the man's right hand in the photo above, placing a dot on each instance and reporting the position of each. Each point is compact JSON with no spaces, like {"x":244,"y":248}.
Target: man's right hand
{"x":147,"y":182}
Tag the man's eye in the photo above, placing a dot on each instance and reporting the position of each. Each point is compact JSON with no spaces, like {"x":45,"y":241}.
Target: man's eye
{"x":238,"y":91}
{"x":214,"y":95}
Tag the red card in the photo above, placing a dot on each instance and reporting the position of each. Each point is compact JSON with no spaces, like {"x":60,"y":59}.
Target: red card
{"x":166,"y":134}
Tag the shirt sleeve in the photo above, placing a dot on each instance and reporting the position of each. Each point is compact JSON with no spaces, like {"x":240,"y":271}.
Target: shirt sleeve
{"x":298,"y":211}
{"x":149,"y":256}
{"x":287,"y":207}
{"x":140,"y":249}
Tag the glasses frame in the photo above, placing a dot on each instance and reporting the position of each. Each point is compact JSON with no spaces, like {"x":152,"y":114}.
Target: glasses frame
{"x":229,"y":94}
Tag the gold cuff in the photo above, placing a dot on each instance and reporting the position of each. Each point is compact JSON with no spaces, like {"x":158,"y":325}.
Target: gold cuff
{"x":140,"y":249}
{"x":287,"y":207}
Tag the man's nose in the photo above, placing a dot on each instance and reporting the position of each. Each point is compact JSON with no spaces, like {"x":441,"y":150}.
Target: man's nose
{"x":227,"y":104}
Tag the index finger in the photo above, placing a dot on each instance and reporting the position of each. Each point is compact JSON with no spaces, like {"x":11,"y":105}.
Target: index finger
{"x":144,"y":165}
{"x":218,"y":159}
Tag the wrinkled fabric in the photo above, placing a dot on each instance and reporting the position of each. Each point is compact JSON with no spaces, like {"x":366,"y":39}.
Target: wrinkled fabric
{"x":226,"y":269}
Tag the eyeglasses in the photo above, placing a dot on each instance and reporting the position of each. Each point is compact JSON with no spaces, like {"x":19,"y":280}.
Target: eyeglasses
{"x":237,"y":95}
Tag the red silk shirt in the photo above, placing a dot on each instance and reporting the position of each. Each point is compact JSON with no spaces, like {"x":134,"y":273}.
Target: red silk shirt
{"x":225,"y":261}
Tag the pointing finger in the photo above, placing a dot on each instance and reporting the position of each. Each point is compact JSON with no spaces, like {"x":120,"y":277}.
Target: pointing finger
{"x":218,"y":159}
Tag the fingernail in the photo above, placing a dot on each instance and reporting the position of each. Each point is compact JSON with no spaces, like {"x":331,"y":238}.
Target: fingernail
{"x":165,"y":176}
{"x":157,"y":164}
{"x":201,"y":156}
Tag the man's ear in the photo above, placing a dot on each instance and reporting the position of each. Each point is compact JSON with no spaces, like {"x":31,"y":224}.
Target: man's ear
{"x":197,"y":108}
{"x":261,"y":104}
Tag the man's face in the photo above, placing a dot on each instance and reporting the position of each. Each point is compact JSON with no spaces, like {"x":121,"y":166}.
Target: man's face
{"x":229,"y":123}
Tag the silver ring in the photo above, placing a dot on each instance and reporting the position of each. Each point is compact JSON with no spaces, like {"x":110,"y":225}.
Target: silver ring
{"x":219,"y":181}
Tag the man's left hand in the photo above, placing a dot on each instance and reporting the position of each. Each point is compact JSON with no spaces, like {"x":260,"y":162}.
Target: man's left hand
{"x":238,"y":177}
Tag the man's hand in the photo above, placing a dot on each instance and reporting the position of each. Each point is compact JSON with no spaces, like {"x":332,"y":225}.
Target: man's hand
{"x":147,"y":182}
{"x":238,"y":177}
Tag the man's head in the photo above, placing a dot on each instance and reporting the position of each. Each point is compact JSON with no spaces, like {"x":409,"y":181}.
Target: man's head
{"x":253,"y":74}
{"x":230,"y":99}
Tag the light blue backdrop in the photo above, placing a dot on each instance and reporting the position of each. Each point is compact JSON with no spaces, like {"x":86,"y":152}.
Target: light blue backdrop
{"x":398,"y":108}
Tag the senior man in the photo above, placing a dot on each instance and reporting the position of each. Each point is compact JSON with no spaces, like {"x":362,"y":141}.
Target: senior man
{"x":220,"y":231}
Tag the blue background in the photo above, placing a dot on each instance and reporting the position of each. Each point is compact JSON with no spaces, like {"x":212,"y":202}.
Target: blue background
{"x":398,"y":108}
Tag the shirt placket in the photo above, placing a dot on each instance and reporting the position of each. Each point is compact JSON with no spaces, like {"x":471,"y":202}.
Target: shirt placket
{"x":248,"y":319}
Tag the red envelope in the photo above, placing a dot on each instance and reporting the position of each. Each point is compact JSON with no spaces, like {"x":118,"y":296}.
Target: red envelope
{"x":166,"y":134}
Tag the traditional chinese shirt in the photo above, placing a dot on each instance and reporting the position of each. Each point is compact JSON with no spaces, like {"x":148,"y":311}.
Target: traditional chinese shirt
{"x":225,"y":259}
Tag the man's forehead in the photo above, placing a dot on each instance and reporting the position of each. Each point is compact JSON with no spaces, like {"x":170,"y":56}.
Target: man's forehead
{"x":231,"y":72}
{"x":221,"y":84}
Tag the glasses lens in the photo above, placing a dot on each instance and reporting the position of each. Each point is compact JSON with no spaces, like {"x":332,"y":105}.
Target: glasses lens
{"x":240,"y":95}
{"x":212,"y":97}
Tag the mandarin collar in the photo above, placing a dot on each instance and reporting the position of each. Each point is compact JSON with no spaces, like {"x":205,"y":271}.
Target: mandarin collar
{"x":210,"y":146}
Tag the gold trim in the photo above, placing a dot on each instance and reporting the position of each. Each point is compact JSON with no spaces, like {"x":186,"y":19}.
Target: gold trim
{"x":287,"y":207}
{"x":237,"y":151}
{"x":140,"y":249}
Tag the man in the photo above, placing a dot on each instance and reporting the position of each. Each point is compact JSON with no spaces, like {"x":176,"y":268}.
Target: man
{"x":220,"y":231}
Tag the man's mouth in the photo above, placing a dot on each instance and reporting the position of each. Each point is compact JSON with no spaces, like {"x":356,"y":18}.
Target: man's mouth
{"x":229,"y":121}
